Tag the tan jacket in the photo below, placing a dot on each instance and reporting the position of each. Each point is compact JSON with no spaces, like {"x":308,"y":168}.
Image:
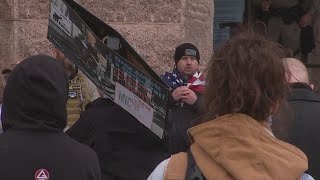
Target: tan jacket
{"x":238,"y":147}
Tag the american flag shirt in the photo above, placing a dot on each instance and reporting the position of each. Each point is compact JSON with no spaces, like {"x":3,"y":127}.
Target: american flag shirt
{"x":196,"y":82}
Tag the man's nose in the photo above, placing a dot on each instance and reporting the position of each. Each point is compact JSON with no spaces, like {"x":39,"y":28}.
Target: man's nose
{"x":189,"y":61}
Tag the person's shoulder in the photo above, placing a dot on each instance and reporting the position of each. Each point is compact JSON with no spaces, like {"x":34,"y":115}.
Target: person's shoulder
{"x":165,"y":75}
{"x":175,"y":166}
{"x":305,"y":94}
{"x":78,"y":149}
{"x":83,"y":158}
{"x":100,"y":102}
{"x":158,"y":173}
{"x":306,"y":177}
{"x":83,"y":155}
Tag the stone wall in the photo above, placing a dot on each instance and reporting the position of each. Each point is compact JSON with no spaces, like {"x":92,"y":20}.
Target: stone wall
{"x":153,"y":27}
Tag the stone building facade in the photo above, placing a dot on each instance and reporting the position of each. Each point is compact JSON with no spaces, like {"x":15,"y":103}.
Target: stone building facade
{"x":153,"y":27}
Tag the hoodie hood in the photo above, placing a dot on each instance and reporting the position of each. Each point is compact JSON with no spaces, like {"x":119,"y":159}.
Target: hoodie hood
{"x":238,"y":147}
{"x":35,"y":96}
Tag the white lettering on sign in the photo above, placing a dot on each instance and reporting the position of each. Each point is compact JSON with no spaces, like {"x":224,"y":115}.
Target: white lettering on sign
{"x":134,"y":105}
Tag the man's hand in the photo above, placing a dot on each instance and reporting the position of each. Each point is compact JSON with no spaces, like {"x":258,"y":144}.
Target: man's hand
{"x":189,"y":97}
{"x":179,"y":92}
{"x":265,"y":5}
{"x":305,"y":20}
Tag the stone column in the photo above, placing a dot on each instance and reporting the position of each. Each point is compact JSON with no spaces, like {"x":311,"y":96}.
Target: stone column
{"x":6,"y":35}
{"x":198,"y":27}
{"x":23,"y":31}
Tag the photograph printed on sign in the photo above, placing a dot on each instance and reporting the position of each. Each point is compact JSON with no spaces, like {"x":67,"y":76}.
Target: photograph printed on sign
{"x":104,"y":67}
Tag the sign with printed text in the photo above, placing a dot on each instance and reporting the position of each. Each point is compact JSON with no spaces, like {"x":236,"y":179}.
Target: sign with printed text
{"x":108,"y":60}
{"x":134,"y":105}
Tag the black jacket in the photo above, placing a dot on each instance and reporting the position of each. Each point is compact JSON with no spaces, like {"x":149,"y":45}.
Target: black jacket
{"x":125,"y":147}
{"x":298,"y":123}
{"x":34,"y":115}
{"x":181,"y":118}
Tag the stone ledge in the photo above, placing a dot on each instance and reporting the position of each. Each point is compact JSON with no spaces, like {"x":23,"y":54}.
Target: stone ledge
{"x":165,"y":11}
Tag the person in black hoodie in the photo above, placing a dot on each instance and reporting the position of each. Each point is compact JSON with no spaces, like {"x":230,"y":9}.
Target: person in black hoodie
{"x":33,"y":145}
{"x":297,"y":121}
{"x":126,"y":149}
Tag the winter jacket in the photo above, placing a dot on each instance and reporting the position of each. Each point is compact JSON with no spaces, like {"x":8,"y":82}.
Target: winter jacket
{"x":298,"y":123}
{"x":182,"y":115}
{"x":125,"y":147}
{"x":33,"y":145}
{"x":181,"y":118}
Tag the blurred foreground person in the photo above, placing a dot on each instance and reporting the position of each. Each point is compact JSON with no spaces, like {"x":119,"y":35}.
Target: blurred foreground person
{"x":245,"y":82}
{"x":6,"y":73}
{"x":126,"y":148}
{"x":33,"y":144}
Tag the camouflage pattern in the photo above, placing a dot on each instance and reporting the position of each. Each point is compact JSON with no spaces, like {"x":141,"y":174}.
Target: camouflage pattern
{"x":81,"y":92}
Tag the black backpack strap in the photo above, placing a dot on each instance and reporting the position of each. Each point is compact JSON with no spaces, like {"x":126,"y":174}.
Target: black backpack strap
{"x":193,"y":171}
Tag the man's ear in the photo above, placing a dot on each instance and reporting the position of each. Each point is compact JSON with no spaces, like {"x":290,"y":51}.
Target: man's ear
{"x":275,"y":107}
{"x":312,"y":86}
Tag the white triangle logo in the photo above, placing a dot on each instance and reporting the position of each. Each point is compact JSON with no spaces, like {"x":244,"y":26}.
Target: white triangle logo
{"x":42,"y":175}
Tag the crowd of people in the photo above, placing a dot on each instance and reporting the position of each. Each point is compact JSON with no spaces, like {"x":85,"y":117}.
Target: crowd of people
{"x":292,"y":23}
{"x":252,"y":114}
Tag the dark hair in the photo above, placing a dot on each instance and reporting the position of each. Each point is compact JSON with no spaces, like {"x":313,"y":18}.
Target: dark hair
{"x":247,"y":75}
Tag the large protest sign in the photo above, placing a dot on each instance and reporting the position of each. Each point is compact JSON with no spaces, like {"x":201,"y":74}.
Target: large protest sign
{"x":105,"y":57}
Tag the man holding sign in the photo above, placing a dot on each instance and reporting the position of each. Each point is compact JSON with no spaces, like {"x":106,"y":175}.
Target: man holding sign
{"x":187,"y":84}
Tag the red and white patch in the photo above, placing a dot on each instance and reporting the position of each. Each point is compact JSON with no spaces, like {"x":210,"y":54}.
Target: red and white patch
{"x":41,"y":174}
